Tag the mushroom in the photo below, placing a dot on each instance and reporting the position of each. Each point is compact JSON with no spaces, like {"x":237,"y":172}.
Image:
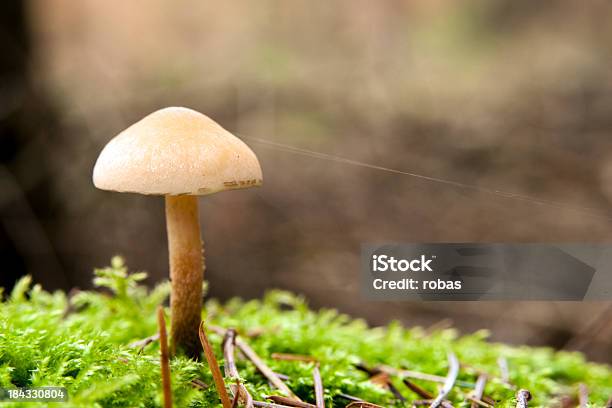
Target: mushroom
{"x":179,"y":153}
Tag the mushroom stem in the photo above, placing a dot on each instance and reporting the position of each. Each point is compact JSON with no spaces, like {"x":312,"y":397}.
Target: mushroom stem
{"x":186,"y":271}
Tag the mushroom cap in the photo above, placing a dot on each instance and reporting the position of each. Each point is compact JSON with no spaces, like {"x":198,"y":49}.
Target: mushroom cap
{"x":176,"y":151}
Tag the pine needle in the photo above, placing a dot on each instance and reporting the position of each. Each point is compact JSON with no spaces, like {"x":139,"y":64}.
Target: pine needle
{"x":289,"y":401}
{"x":318,"y":387}
{"x":165,"y":363}
{"x":476,"y":396}
{"x":522,"y":399}
{"x":263,"y":368}
{"x":214,"y":368}
{"x":293,"y":357}
{"x":423,"y":393}
{"x":451,"y":377}
{"x":238,"y":390}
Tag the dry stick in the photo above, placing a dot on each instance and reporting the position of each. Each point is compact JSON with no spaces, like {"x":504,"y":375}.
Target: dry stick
{"x":362,"y":404}
{"x":609,"y":403}
{"x":522,"y":399}
{"x":423,"y":402}
{"x":141,"y":344}
{"x":264,"y":369}
{"x":237,"y":395}
{"x":289,"y":401}
{"x":293,"y":357}
{"x":481,"y":382}
{"x":256,"y":332}
{"x":261,"y":404}
{"x":451,"y":377}
{"x":417,"y":389}
{"x":239,"y":390}
{"x":228,"y":353}
{"x":381,"y":378}
{"x":583,"y":395}
{"x":259,"y":364}
{"x":566,"y":402}
{"x":503,"y":369}
{"x":318,"y":387}
{"x":351,"y":398}
{"x":488,"y":400}
{"x":479,"y":403}
{"x":165,"y":363}
{"x":282,"y":376}
{"x":197,"y":383}
{"x":357,"y":402}
{"x":423,"y":376}
{"x":214,"y":368}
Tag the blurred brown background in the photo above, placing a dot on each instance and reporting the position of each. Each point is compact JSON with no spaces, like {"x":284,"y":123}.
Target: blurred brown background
{"x":509,"y":95}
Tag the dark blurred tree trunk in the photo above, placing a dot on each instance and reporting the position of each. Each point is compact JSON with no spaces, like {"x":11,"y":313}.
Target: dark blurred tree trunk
{"x":26,"y":123}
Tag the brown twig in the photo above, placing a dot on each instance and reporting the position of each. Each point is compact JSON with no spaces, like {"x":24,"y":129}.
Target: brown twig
{"x":422,"y":376}
{"x":197,"y":383}
{"x":293,"y":357}
{"x":423,"y":402}
{"x":264,"y":369}
{"x":283,"y":377}
{"x":229,"y":340}
{"x":351,"y":398}
{"x":423,"y":393}
{"x":164,"y":359}
{"x":479,"y":403}
{"x":476,"y":396}
{"x":238,"y":390}
{"x":566,"y":401}
{"x":357,"y":402}
{"x":609,"y":403}
{"x":362,"y":404}
{"x":449,"y":383}
{"x":381,"y":378}
{"x":141,"y":344}
{"x":214,"y":368}
{"x":522,"y":398}
{"x":318,"y":387}
{"x":503,"y":369}
{"x":237,"y":394}
{"x":289,"y":401}
{"x":583,"y":395}
{"x":261,"y":404}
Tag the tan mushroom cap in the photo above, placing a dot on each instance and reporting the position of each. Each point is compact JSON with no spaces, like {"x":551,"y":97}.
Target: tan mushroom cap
{"x":176,"y":151}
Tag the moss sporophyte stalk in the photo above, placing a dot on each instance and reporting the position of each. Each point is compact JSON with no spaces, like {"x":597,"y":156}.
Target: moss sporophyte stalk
{"x":100,"y":346}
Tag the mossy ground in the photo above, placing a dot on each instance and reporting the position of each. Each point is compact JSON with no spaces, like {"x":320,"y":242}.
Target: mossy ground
{"x":83,"y":343}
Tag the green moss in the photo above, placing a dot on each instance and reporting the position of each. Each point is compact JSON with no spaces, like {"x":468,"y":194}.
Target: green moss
{"x":83,"y":343}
